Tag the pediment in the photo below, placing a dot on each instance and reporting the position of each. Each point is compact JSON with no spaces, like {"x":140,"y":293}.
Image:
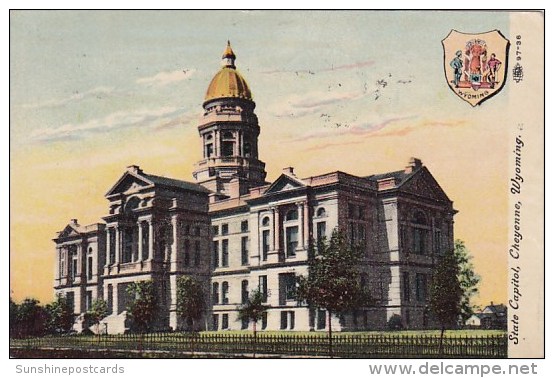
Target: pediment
{"x":68,"y":232}
{"x":129,"y":183}
{"x":424,"y":184}
{"x":285,"y":183}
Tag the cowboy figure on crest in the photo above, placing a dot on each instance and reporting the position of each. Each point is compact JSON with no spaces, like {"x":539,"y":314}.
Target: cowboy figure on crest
{"x":457,"y":64}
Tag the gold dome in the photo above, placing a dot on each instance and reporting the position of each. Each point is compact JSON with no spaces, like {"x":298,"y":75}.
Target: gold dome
{"x":228,"y":83}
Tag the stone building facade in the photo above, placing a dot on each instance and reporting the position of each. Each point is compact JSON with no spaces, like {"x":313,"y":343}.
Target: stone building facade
{"x":234,"y":231}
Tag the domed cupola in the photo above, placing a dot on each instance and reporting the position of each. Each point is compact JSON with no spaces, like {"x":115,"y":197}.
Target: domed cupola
{"x":228,"y":82}
{"x":229,"y":130}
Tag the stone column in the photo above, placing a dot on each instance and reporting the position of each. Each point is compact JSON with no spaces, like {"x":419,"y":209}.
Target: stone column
{"x":277,"y":227}
{"x":307,"y":225}
{"x":139,"y":241}
{"x":58,"y":263}
{"x":300,"y":209}
{"x":174,"y":246}
{"x":150,"y":240}
{"x":108,"y":246}
{"x":217,"y":143}
{"x":117,"y":244}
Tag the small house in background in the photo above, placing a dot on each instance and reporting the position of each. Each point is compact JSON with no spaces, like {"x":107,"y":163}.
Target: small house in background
{"x":491,"y":317}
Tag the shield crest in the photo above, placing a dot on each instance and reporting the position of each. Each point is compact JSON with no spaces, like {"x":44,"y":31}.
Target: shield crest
{"x":475,"y":65}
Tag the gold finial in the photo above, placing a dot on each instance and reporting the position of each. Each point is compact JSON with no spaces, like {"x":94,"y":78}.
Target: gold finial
{"x":229,"y":51}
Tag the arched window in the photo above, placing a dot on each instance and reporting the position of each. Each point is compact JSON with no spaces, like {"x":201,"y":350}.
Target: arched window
{"x":321,"y":212}
{"x":228,"y":135}
{"x":225,"y":292}
{"x":291,"y":215}
{"x":265,"y":221}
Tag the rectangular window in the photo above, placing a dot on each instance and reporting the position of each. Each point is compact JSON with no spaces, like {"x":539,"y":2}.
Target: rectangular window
{"x":244,"y":323}
{"x":215,"y":254}
{"x":71,"y":301}
{"x":404,"y":239}
{"x":361,"y":235}
{"x":287,"y":287}
{"x":244,"y":250}
{"x":215,"y":322}
{"x":215,"y":230}
{"x":225,"y":321}
{"x":406,"y":285}
{"x":421,"y":287}
{"x":419,"y":241}
{"x":284,"y":316}
{"x":215,"y":293}
{"x":224,"y":229}
{"x":262,"y":285}
{"x":225,"y":252}
{"x":292,"y":240}
{"x":321,"y":229}
{"x":244,"y":226}
{"x":264,"y":320}
{"x":438,"y":242}
{"x":244,"y":291}
{"x":187,"y":252}
{"x":265,"y":244}
{"x":88,"y":300}
{"x":321,"y":319}
{"x":225,"y":292}
{"x":209,"y":150}
{"x":287,"y":319}
{"x":197,"y":253}
{"x":89,"y":268}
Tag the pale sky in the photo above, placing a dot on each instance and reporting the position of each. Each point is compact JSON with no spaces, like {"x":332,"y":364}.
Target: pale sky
{"x":362,"y":92}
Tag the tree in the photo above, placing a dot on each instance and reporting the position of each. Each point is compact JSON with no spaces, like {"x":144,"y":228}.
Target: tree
{"x":253,"y":309}
{"x":446,"y":293}
{"x":60,"y":315}
{"x":332,"y":282}
{"x":467,"y":278}
{"x":98,"y":311}
{"x":142,"y":309}
{"x":14,"y":309}
{"x":191,"y":302}
{"x":31,"y":318}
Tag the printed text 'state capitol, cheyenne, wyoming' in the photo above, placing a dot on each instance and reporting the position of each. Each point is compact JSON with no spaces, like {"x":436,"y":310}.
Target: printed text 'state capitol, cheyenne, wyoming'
{"x":235,"y":232}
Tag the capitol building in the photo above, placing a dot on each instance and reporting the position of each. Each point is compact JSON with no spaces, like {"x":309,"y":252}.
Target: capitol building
{"x":234,"y":231}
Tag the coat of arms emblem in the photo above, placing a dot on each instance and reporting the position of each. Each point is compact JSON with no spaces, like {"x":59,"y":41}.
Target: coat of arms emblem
{"x":475,"y":64}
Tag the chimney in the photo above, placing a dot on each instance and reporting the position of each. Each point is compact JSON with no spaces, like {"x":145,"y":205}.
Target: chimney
{"x":289,"y":171}
{"x":134,"y":169}
{"x":413,"y":165}
{"x":74,"y":221}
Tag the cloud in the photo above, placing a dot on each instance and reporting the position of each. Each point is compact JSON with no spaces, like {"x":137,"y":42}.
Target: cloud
{"x":311,"y":102}
{"x":167,"y":77}
{"x":76,"y":96}
{"x":114,"y":121}
{"x":365,"y":63}
{"x":357,"y":128}
{"x":394,"y":126}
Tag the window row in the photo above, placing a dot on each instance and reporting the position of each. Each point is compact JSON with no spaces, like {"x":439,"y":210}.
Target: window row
{"x":417,"y":240}
{"x":224,"y":227}
{"x":220,"y":252}
{"x":421,"y":287}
